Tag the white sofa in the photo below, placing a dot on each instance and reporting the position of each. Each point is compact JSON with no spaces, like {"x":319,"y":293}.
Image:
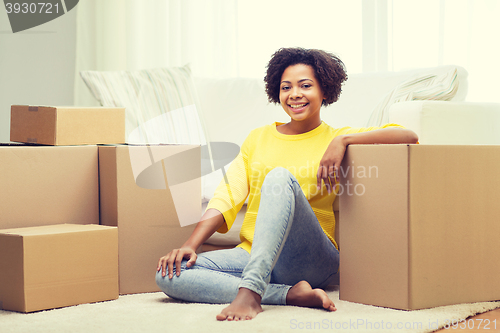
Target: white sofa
{"x":231,"y":108}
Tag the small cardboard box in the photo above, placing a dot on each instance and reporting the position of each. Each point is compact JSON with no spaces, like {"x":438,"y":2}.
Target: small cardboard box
{"x":67,"y":125}
{"x":45,"y":185}
{"x":420,"y":225}
{"x":55,"y":266}
{"x":153,"y":195}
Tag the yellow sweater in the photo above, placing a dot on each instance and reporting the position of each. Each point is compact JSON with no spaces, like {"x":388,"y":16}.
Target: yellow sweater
{"x":265,"y":149}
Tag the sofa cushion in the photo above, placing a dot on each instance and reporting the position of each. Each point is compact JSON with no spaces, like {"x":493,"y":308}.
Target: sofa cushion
{"x":440,"y":83}
{"x":439,"y":122}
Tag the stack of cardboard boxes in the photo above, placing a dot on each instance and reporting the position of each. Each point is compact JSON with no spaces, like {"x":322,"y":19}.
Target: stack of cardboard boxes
{"x":84,"y":217}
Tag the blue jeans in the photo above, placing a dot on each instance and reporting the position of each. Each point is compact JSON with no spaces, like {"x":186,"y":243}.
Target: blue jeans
{"x":289,"y":246}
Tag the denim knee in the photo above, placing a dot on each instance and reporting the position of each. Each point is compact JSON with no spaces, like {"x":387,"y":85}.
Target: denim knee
{"x":277,"y":180}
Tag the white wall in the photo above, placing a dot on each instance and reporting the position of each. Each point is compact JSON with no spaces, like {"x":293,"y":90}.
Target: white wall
{"x":37,"y":66}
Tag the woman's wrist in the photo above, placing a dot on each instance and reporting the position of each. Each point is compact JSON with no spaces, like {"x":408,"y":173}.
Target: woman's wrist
{"x":342,"y":140}
{"x":190,"y":246}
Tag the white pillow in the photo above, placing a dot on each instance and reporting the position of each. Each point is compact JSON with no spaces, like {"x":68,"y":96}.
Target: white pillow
{"x":442,"y":85}
{"x":160,"y":104}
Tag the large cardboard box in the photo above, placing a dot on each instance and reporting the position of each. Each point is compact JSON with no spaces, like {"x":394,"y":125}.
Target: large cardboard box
{"x":44,"y":185}
{"x":54,"y":266}
{"x":148,"y":192}
{"x":67,"y":125}
{"x":420,"y":225}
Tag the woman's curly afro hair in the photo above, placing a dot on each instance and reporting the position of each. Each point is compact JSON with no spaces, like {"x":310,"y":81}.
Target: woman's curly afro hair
{"x":328,"y":69}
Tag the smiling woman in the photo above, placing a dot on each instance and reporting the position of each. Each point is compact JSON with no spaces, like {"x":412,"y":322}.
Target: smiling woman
{"x":288,"y":253}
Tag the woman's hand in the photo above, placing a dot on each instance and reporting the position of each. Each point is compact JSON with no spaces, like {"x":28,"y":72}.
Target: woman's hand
{"x":175,"y":257}
{"x":211,"y":221}
{"x":329,"y":165}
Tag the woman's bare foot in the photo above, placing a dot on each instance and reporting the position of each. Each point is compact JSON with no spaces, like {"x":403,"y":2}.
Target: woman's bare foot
{"x":302,"y":294}
{"x":245,"y":306}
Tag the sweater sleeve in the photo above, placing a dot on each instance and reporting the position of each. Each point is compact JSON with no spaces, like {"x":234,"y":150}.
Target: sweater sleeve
{"x":232,"y":191}
{"x":354,"y":130}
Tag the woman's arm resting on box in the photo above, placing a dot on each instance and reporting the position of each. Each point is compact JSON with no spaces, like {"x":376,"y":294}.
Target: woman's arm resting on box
{"x":210,"y":222}
{"x":330,"y":163}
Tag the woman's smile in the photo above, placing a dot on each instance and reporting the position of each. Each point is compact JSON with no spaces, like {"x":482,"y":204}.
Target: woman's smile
{"x":297,"y":108}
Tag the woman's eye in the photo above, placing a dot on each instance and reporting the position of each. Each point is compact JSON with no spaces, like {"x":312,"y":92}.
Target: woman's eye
{"x":285,"y":88}
{"x":306,"y":86}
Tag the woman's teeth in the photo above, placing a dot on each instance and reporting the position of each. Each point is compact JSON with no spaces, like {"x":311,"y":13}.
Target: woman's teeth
{"x":297,"y":106}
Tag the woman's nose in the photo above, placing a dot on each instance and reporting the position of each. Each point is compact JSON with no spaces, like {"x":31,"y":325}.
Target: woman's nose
{"x":296,"y":93}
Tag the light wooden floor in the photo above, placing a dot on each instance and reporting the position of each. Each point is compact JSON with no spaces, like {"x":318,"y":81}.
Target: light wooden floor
{"x":484,"y":322}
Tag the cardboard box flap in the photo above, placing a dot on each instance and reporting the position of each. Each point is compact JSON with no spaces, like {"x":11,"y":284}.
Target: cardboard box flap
{"x":52,"y":229}
{"x":149,"y":220}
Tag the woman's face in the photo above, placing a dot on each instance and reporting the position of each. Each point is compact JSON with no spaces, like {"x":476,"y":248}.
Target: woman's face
{"x":300,"y":93}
